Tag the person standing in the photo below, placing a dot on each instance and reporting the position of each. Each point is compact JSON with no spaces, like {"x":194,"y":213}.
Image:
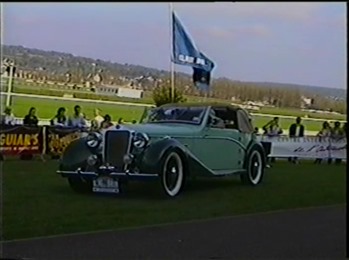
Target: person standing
{"x":296,"y":130}
{"x":344,"y":129}
{"x":336,"y":134}
{"x":120,"y":121}
{"x":30,"y":119}
{"x":106,"y":122}
{"x":77,"y":119}
{"x":7,"y":118}
{"x":324,"y":133}
{"x":59,"y":119}
{"x":272,"y":128}
{"x":97,"y":120}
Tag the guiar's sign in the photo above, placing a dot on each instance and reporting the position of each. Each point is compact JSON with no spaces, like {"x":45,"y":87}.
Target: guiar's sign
{"x":21,"y":139}
{"x":57,"y":139}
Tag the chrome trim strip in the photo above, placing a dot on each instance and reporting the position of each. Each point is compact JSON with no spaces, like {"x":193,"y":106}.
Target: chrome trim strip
{"x":111,"y":174}
{"x":143,"y":174}
{"x":228,"y":139}
{"x":117,"y":174}
{"x":77,"y":172}
{"x":205,"y":137}
{"x":201,"y":163}
{"x":213,"y":172}
{"x":103,"y":167}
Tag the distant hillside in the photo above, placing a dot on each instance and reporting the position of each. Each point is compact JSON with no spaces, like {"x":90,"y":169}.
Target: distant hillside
{"x":80,"y":72}
{"x":60,"y":63}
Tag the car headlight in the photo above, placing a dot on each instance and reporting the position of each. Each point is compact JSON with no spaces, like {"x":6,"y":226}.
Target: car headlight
{"x":93,"y":140}
{"x":140,"y":140}
{"x":92,"y":159}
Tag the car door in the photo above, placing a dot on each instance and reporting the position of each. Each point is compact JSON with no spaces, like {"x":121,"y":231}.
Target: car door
{"x":219,"y":149}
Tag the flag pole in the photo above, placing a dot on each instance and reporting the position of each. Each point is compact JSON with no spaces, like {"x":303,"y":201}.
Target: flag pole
{"x":171,"y":51}
{"x":9,"y":87}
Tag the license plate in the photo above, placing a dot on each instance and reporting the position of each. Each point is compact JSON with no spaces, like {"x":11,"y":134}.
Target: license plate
{"x":105,"y":184}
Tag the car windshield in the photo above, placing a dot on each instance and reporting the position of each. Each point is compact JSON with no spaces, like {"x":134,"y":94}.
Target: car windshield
{"x":191,"y":115}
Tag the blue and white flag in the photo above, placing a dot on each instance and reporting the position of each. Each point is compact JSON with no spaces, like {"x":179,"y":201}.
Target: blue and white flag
{"x":184,"y":52}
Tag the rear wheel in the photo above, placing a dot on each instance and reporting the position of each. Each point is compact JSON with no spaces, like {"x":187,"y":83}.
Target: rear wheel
{"x":254,"y":168}
{"x":80,"y":185}
{"x":172,"y":173}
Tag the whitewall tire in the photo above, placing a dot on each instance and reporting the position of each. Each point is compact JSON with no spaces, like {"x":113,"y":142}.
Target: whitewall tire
{"x":254,"y":168}
{"x":172,"y":174}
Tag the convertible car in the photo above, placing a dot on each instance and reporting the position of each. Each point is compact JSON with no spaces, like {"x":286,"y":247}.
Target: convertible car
{"x":170,"y":144}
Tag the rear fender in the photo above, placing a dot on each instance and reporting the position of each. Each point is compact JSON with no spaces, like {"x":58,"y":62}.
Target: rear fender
{"x":253,"y":145}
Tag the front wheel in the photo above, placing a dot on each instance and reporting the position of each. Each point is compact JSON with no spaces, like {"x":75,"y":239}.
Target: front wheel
{"x":254,"y":168}
{"x":79,"y":185}
{"x":172,"y":173}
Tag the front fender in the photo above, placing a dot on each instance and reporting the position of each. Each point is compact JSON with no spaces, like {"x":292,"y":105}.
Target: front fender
{"x":152,"y":156}
{"x":75,"y":155}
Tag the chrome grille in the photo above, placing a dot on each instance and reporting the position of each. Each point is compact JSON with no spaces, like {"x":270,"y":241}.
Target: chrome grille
{"x":116,"y":145}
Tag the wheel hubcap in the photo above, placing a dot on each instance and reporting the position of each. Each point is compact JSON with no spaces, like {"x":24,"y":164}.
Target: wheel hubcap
{"x":173,"y":174}
{"x":256,"y":169}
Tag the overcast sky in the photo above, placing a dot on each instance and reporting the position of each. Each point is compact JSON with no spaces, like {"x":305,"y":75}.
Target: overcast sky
{"x":302,"y":43}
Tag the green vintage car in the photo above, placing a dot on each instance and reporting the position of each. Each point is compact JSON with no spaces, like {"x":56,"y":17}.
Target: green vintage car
{"x":171,"y":144}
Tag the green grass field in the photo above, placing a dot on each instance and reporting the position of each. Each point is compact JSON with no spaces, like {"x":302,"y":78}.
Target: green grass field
{"x":19,"y":87}
{"x":46,"y":109}
{"x":38,"y":202}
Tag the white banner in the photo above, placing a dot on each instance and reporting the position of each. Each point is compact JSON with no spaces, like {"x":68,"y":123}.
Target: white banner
{"x":338,"y":148}
{"x":306,"y":147}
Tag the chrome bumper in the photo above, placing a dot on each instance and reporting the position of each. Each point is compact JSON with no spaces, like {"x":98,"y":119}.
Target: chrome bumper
{"x":106,"y":171}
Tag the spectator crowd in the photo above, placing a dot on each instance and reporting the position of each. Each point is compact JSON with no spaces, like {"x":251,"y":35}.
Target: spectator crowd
{"x":76,"y":120}
{"x":297,"y":129}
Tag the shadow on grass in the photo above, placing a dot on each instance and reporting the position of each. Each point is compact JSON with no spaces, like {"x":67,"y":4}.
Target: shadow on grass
{"x":153,"y":190}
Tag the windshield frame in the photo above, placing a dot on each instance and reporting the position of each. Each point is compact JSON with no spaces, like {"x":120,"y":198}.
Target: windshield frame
{"x":174,"y":121}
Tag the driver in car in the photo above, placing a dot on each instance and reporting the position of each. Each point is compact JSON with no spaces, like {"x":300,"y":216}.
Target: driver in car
{"x":215,"y":120}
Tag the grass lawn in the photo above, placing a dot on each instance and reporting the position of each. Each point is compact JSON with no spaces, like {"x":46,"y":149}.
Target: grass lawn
{"x":47,"y":108}
{"x":38,"y":202}
{"x":36,"y":89}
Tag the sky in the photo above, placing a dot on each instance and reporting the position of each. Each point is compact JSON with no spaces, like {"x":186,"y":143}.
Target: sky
{"x":290,"y":42}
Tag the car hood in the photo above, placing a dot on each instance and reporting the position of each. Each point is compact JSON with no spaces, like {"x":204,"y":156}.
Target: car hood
{"x":164,"y":129}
